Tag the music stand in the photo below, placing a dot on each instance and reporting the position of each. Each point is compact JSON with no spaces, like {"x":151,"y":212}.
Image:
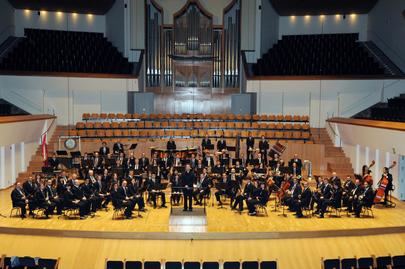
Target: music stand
{"x":236,"y":160}
{"x":209,"y":147}
{"x":133,"y":146}
{"x":231,"y":148}
{"x":61,"y":153}
{"x":75,"y":154}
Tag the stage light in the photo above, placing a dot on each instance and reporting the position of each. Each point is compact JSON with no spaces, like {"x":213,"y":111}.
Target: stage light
{"x":353,"y":16}
{"x":292,"y":18}
{"x":322,"y":17}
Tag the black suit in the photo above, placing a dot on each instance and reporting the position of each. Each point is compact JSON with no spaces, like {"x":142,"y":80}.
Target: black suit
{"x":53,"y":162}
{"x":250,"y":143}
{"x":155,"y":190}
{"x":104,"y":151}
{"x":334,"y":200}
{"x":209,"y":163}
{"x":248,"y":192}
{"x":171,"y":145}
{"x":188,"y":179}
{"x":295,"y":171}
{"x":261,"y":196}
{"x":52,"y":194}
{"x":296,"y":191}
{"x":43,"y":201}
{"x":205,"y":143}
{"x":264,"y":147}
{"x":18,"y":199}
{"x":297,"y":161}
{"x":119,"y":201}
{"x":118,"y":148}
{"x":84,"y":204}
{"x":303,"y":201}
{"x":144,"y":162}
{"x":221,"y":145}
{"x":365,"y":199}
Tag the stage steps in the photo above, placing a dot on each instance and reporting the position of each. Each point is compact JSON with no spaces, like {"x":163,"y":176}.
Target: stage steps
{"x":335,"y":157}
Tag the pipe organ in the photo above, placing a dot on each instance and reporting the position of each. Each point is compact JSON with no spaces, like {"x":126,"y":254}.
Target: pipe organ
{"x":192,"y":53}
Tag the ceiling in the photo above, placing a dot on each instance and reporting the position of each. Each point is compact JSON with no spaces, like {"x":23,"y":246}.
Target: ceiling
{"x":322,"y":7}
{"x":97,"y":7}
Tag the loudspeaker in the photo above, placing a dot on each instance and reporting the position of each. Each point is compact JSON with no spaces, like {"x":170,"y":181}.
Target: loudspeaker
{"x":141,"y":102}
{"x":244,"y":103}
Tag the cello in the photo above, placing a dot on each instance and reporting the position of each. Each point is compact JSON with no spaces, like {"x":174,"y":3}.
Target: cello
{"x":367,"y":177}
{"x":382,"y":185}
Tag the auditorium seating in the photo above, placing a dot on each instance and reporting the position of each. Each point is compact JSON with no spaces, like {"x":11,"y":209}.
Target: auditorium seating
{"x":322,"y":54}
{"x":286,"y":127}
{"x":114,"y":264}
{"x":28,"y":262}
{"x":66,"y":51}
{"x":372,"y":262}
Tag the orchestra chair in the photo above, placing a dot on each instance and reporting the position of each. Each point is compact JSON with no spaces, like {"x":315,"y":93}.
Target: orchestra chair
{"x":85,"y":116}
{"x":15,"y":211}
{"x":210,"y":265}
{"x":133,"y":265}
{"x":103,"y":116}
{"x":119,"y":211}
{"x":48,"y":263}
{"x":306,"y":209}
{"x":384,"y":262}
{"x":398,"y":261}
{"x":173,"y":265}
{"x":367,"y":211}
{"x":335,"y":209}
{"x":250,"y":265}
{"x":366,"y":262}
{"x":349,"y":263}
{"x":264,"y":117}
{"x":192,"y":265}
{"x":231,"y":265}
{"x":70,"y":213}
{"x":151,"y":265}
{"x":39,"y":212}
{"x":330,"y":263}
{"x":261,"y":209}
{"x":268,"y":264}
{"x":114,"y":264}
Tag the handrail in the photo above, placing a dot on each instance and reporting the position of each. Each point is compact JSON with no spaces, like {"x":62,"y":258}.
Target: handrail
{"x":388,"y":46}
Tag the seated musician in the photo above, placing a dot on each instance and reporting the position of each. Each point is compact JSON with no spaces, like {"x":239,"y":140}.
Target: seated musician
{"x":86,"y":164}
{"x":19,"y":199}
{"x":368,"y":177}
{"x":43,"y":201}
{"x":248,"y":192}
{"x":90,"y":194}
{"x":155,"y":189}
{"x":79,"y":195}
{"x":325,"y":194}
{"x":221,"y":144}
{"x":316,"y":195}
{"x":70,"y":200}
{"x":303,"y":200}
{"x":177,"y":162}
{"x":227,"y":186}
{"x":335,"y":179}
{"x":293,"y":194}
{"x":135,"y":193}
{"x":208,"y":160}
{"x":54,"y":197}
{"x":202,"y":188}
{"x":97,"y":163}
{"x":104,"y":150}
{"x":295,"y":170}
{"x":239,"y":169}
{"x":121,"y":200}
{"x":193,"y":161}
{"x":348,"y":186}
{"x":101,"y":191}
{"x":171,"y":145}
{"x":386,"y":174}
{"x":218,"y":169}
{"x":144,"y":161}
{"x":166,"y":161}
{"x":53,"y":162}
{"x":119,"y":168}
{"x":334,"y":200}
{"x":199,"y":165}
{"x":155,"y":161}
{"x":109,"y":162}
{"x":260,"y":196}
{"x":176,"y":188}
{"x":30,"y":188}
{"x":91,"y":176}
{"x":130,"y":162}
{"x":205,"y":143}
{"x":295,"y":160}
{"x":366,"y":198}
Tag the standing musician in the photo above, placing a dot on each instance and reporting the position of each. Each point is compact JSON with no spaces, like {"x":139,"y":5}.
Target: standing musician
{"x":104,"y":150}
{"x":120,"y":199}
{"x":263,"y":148}
{"x":295,"y":160}
{"x":303,"y":200}
{"x":187,"y":180}
{"x":333,"y":200}
{"x":386,"y":174}
{"x":221,"y":144}
{"x":250,"y":144}
{"x":206,"y":143}
{"x":260,"y":196}
{"x":171,"y":145}
{"x":118,"y":148}
{"x":19,"y":199}
{"x":364,"y":199}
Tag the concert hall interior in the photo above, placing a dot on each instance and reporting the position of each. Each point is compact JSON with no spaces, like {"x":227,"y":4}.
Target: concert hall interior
{"x":202,"y":134}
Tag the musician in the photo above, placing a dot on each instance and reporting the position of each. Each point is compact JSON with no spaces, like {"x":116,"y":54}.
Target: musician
{"x":248,"y":192}
{"x":176,"y":190}
{"x":85,"y":165}
{"x":130,"y":162}
{"x":177,"y":161}
{"x":171,"y":145}
{"x":91,"y":177}
{"x":348,"y":186}
{"x":295,"y":160}
{"x":101,"y":191}
{"x":19,"y":199}
{"x":316,"y":195}
{"x":97,"y":163}
{"x":109,"y":162}
{"x":30,"y":188}
{"x":71,"y":200}
{"x":202,"y":187}
{"x":120,"y":199}
{"x":335,"y":179}
{"x":334,"y":200}
{"x":118,"y":148}
{"x":155,"y":189}
{"x":144,"y":161}
{"x":206,"y":143}
{"x":293,"y":194}
{"x":43,"y":201}
{"x":260,"y":196}
{"x":53,"y":162}
{"x":303,"y":200}
{"x":368,"y":177}
{"x":351,"y":199}
{"x":324,"y":195}
{"x":218,"y":168}
{"x":193,"y":161}
{"x":295,"y":170}
{"x":263,"y":148}
{"x":54,"y":197}
{"x":119,"y":169}
{"x":228,"y":186}
{"x":250,"y":144}
{"x":386,"y":174}
{"x":155,"y":162}
{"x":364,"y":199}
{"x":221,"y":144}
{"x":135,"y":192}
{"x":208,"y":161}
{"x":199,"y":165}
{"x":187,"y":180}
{"x":104,"y":150}
{"x":61,"y":184}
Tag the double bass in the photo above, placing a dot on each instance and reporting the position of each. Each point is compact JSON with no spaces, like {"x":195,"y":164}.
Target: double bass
{"x":367,"y":177}
{"x":382,"y":185}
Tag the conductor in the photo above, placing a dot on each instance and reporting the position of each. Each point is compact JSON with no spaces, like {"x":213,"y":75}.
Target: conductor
{"x":188,"y":179}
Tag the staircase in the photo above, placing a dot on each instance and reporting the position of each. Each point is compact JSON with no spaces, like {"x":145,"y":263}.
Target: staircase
{"x":336,"y":159}
{"x":36,"y":162}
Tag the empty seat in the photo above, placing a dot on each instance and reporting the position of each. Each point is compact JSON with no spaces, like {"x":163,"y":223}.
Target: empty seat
{"x":173,"y":265}
{"x":268,"y":265}
{"x":398,"y":261}
{"x":133,"y":265}
{"x":349,"y":263}
{"x":106,"y":125}
{"x":250,"y":265}
{"x":384,"y":261}
{"x":331,"y":264}
{"x":192,"y":265}
{"x":151,"y":265}
{"x":365,"y":262}
{"x":210,"y":265}
{"x":115,"y":265}
{"x":80,"y":125}
{"x":231,"y":265}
